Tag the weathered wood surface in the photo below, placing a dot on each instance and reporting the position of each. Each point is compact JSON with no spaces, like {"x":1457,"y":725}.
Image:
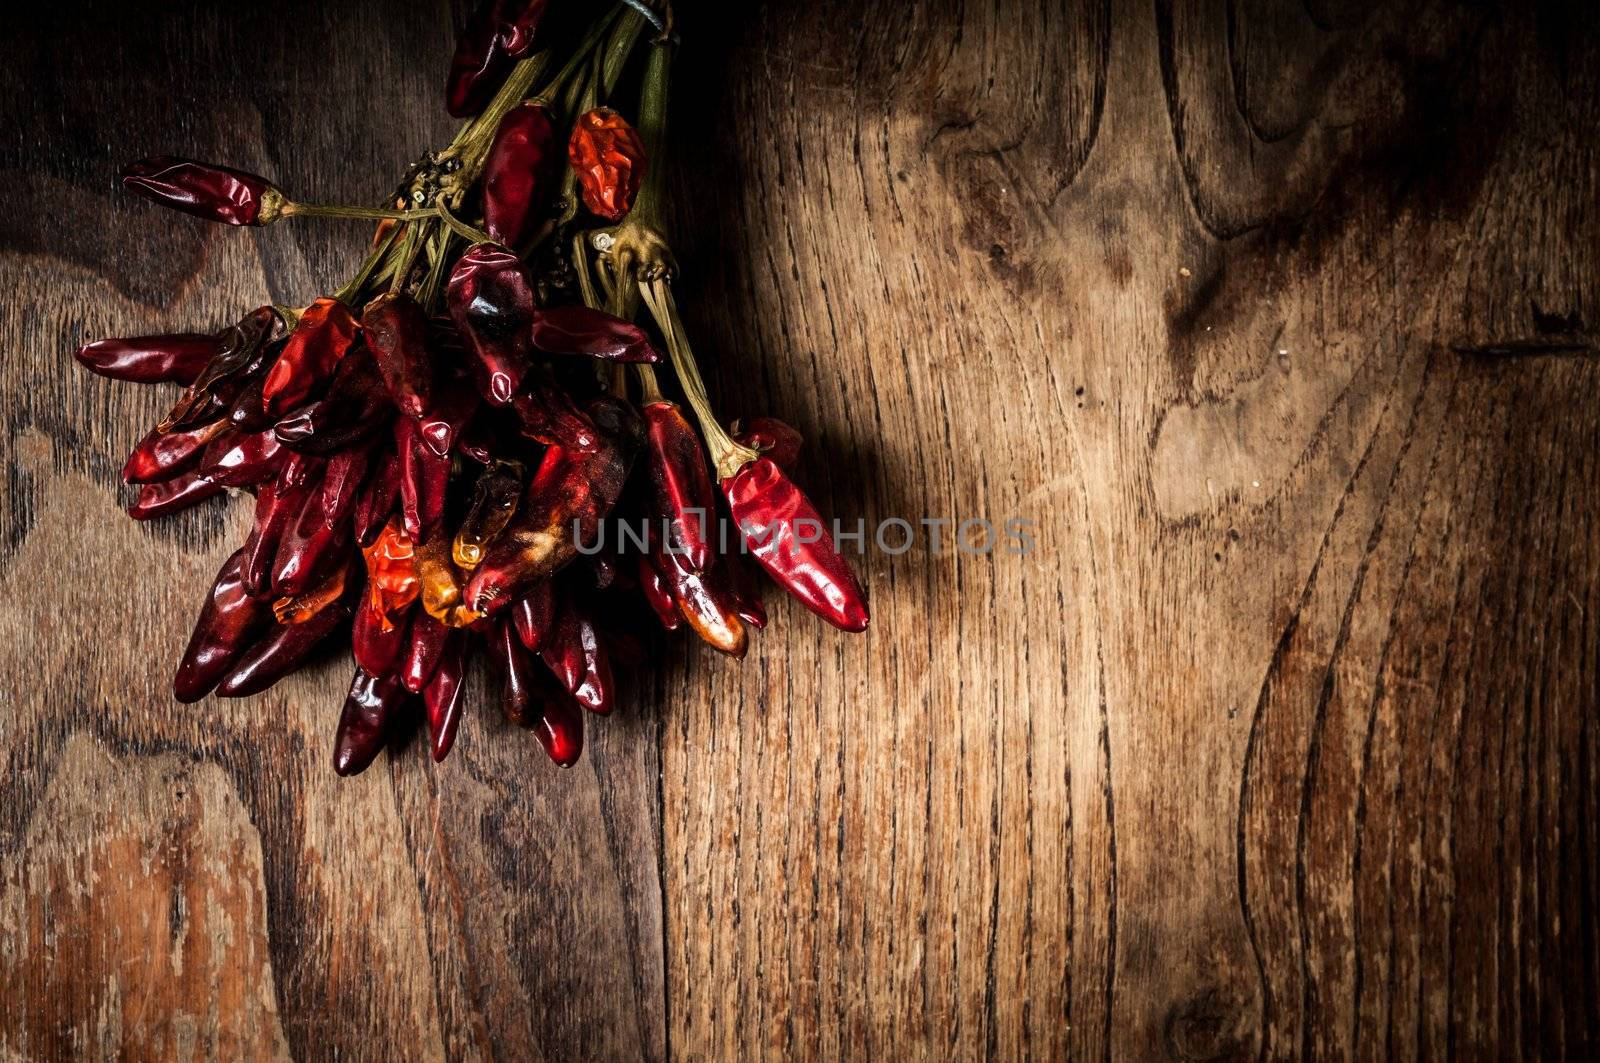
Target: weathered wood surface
{"x":1277,"y":322}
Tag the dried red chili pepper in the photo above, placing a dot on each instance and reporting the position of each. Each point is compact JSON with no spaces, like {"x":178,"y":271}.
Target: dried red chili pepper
{"x":276,"y":508}
{"x":324,"y":334}
{"x":228,"y":622}
{"x":706,"y":601}
{"x":565,"y":501}
{"x":424,"y":478}
{"x":534,"y":615}
{"x":341,"y":483}
{"x":215,"y":193}
{"x":681,"y":482}
{"x":773,"y":438}
{"x":375,"y":642}
{"x":494,"y":503}
{"x":299,"y":608}
{"x":498,"y":33}
{"x":393,"y":583}
{"x":450,"y":417}
{"x":356,"y":405}
{"x":608,"y":158}
{"x":560,"y":729}
{"x":241,"y":350}
{"x":396,"y":331}
{"x":370,"y":711}
{"x":309,"y":549}
{"x":284,"y":649}
{"x":518,"y":173}
{"x":491,"y":301}
{"x":442,"y":696}
{"x":237,"y":460}
{"x":175,"y":359}
{"x":582,"y":331}
{"x":576,"y":655}
{"x":746,"y":592}
{"x":163,"y":455}
{"x":518,"y":698}
{"x":549,"y":416}
{"x":378,"y":499}
{"x":658,"y":594}
{"x":788,"y":537}
{"x":173,"y":496}
{"x":424,"y":648}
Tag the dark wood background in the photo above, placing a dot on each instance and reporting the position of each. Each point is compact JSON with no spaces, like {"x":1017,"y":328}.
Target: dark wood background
{"x":1276,"y":320}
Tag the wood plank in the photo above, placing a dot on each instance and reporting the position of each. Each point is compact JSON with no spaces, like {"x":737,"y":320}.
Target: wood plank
{"x":194,"y":880}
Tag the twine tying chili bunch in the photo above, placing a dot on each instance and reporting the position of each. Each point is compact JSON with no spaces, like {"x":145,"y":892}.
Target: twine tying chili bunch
{"x":431,"y":445}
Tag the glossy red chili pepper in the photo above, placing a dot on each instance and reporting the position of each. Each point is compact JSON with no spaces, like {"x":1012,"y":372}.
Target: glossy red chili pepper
{"x":370,"y":712}
{"x":498,"y":33}
{"x":583,"y":331}
{"x":309,"y":549}
{"x":356,"y":405}
{"x":173,"y":496}
{"x":241,"y":351}
{"x":746,"y":592}
{"x":379,"y":497}
{"x":424,"y":478}
{"x":175,"y":359}
{"x":229,"y":621}
{"x":565,"y":501}
{"x":341,"y":483}
{"x":534,"y":615}
{"x":549,"y":416}
{"x":658,"y":594}
{"x":215,"y":193}
{"x":163,"y":455}
{"x":518,"y":173}
{"x":376,"y":642}
{"x":396,"y":331}
{"x":283,"y":651}
{"x":451,"y":415}
{"x":324,"y":334}
{"x":236,"y":460}
{"x":442,"y":695}
{"x":491,"y":301}
{"x":247,"y":414}
{"x":424,"y":648}
{"x":681,"y":483}
{"x":608,"y":158}
{"x":261,"y":548}
{"x":774,"y":439}
{"x":560,"y":729}
{"x":576,"y":655}
{"x":783,"y":530}
{"x":706,"y":601}
{"x":512,"y":662}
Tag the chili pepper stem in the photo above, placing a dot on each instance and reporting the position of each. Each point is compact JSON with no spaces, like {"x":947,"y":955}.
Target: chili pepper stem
{"x":461,"y":228}
{"x":352,"y":289}
{"x":330,"y":210}
{"x":727,"y":456}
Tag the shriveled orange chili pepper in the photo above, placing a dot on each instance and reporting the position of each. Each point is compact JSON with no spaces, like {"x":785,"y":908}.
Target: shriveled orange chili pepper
{"x":608,"y":158}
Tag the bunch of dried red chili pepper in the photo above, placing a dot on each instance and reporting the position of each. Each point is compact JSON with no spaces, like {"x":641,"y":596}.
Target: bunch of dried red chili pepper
{"x":431,"y":446}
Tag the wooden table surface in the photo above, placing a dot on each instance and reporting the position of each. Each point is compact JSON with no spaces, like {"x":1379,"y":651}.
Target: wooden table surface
{"x":1275,"y":321}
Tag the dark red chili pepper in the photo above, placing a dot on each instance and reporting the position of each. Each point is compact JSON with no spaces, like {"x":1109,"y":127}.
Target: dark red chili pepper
{"x":590,"y":333}
{"x":560,"y":729}
{"x":492,"y":302}
{"x":564,"y":503}
{"x":514,"y":665}
{"x":442,"y":695}
{"x":746,"y":592}
{"x":247,"y":414}
{"x":305,"y":606}
{"x":424,"y":478}
{"x":681,"y":481}
{"x":175,"y":359}
{"x":236,"y":460}
{"x":173,"y":496}
{"x":309,"y":549}
{"x":576,"y":655}
{"x":215,"y":193}
{"x":657,"y":593}
{"x":424,"y":649}
{"x":783,"y":530}
{"x":376,"y":642}
{"x":549,"y":416}
{"x":370,"y":712}
{"x":283,"y":651}
{"x":163,"y":455}
{"x":356,"y":405}
{"x":378,"y":499}
{"x":320,"y":340}
{"x":705,"y":599}
{"x":452,"y":413}
{"x":396,"y":331}
{"x":534,"y":615}
{"x":608,"y":157}
{"x":498,"y":33}
{"x":517,"y":176}
{"x":241,"y":350}
{"x":229,"y":620}
{"x":341,"y":483}
{"x":773,"y":438}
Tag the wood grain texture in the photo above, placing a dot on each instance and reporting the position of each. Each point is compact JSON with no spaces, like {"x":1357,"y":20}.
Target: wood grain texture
{"x":1276,"y":321}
